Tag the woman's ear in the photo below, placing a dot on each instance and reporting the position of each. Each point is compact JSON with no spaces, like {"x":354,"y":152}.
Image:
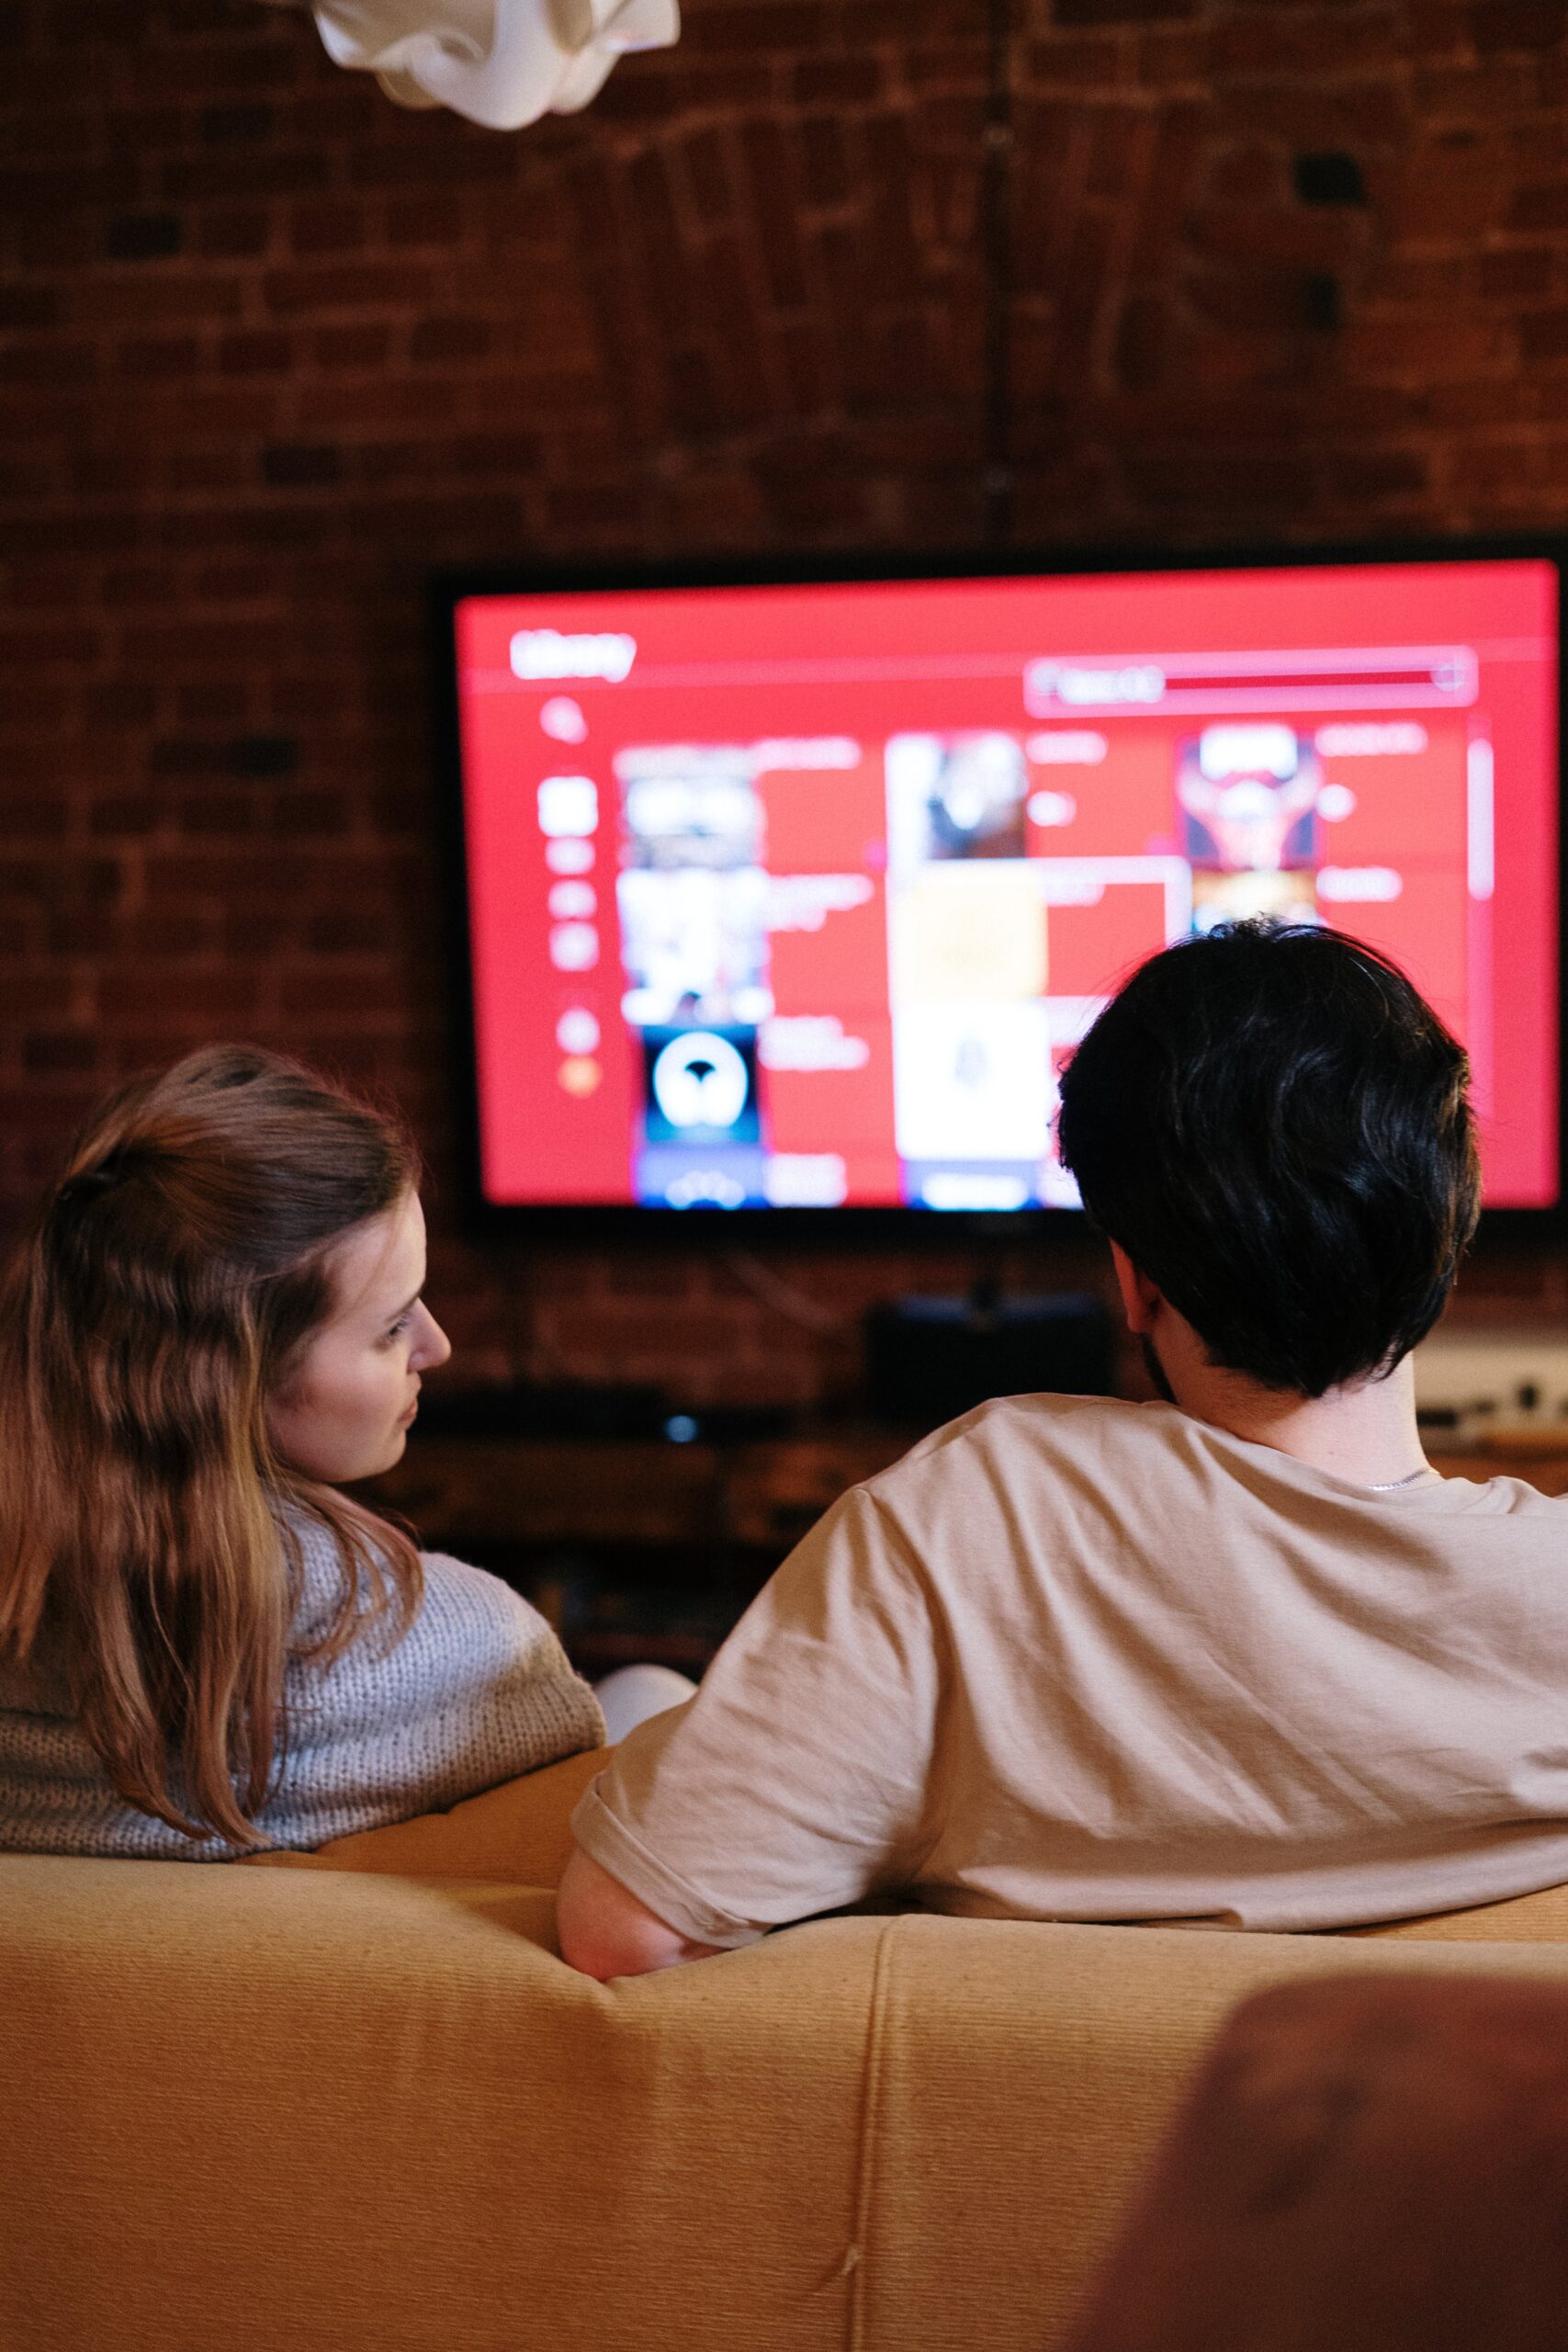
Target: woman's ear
{"x":1141,"y":1300}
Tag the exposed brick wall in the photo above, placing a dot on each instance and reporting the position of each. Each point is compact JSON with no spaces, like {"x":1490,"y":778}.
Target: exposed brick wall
{"x":269,"y":349}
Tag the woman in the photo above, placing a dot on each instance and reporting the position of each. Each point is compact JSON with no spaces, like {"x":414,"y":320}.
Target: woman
{"x":204,"y":1647}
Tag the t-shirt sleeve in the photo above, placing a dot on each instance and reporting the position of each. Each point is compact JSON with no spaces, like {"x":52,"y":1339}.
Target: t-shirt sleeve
{"x":797,"y":1781}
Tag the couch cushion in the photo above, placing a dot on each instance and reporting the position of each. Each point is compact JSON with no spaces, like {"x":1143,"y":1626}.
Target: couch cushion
{"x":325,"y":2111}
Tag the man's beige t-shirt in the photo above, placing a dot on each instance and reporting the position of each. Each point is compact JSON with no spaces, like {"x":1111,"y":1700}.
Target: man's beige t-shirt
{"x":1077,"y":1659}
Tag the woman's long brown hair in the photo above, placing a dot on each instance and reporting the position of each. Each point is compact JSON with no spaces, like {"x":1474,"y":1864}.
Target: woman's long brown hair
{"x":150,"y":1552}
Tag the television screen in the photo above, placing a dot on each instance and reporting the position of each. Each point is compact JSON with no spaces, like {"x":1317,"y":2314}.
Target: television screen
{"x":797,"y":897}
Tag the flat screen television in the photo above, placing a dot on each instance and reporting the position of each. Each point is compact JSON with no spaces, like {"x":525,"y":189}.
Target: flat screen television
{"x":789,"y":897}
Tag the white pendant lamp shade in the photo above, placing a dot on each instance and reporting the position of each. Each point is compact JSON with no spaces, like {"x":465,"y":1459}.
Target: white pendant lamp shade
{"x":501,"y":62}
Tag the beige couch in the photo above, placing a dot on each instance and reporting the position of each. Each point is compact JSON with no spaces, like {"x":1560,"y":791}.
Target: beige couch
{"x":330,"y":2104}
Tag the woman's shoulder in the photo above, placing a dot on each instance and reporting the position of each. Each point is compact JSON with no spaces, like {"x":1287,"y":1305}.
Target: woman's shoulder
{"x":452,"y":1589}
{"x":458,"y":1594}
{"x":468,"y":1630}
{"x":476,"y":1676}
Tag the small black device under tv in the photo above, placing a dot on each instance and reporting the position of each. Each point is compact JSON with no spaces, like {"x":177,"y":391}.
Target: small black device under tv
{"x":929,"y":1360}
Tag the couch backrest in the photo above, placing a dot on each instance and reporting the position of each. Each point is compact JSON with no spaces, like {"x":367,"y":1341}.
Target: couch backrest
{"x":301,"y":2111}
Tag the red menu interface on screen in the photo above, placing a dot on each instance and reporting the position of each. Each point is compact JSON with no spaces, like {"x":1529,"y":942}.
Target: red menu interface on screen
{"x":801,"y":896}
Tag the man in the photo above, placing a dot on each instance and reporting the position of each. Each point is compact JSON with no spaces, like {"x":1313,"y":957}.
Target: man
{"x":1240,"y":1656}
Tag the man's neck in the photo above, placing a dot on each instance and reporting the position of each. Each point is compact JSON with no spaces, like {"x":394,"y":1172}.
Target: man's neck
{"x":1367,"y":1432}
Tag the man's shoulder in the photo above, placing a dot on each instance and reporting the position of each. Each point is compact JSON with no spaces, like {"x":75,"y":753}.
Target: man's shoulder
{"x":1019,"y":1483}
{"x":1152,"y":1460}
{"x":1037,"y":1430}
{"x":1028,"y":1445}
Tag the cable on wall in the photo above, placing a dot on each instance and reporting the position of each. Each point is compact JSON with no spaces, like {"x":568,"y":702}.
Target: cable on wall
{"x":783,"y":1297}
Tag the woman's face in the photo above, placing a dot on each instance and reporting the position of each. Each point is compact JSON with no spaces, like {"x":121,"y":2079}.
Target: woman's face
{"x":343,"y":1409}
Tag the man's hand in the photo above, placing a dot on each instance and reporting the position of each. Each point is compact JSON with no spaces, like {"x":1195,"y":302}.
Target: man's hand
{"x":604,"y":1931}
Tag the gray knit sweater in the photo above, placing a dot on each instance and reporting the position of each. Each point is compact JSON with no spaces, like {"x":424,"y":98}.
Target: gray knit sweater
{"x":478,"y":1691}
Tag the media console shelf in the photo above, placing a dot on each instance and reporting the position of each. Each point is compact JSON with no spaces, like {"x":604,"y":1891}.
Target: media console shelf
{"x":528,"y":1491}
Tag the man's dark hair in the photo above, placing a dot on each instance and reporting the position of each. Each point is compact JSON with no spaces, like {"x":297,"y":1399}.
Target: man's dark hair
{"x":1273,"y":1125}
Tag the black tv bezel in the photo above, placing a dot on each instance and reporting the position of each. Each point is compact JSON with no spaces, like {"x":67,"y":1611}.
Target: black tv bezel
{"x":905,"y":1226}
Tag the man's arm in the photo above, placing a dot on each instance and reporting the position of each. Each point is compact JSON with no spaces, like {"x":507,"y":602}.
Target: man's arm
{"x":605,"y":1931}
{"x":793,"y":1783}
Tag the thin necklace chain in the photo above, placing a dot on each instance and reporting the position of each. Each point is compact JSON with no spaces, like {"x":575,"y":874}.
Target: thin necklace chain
{"x":1389,"y":1485}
